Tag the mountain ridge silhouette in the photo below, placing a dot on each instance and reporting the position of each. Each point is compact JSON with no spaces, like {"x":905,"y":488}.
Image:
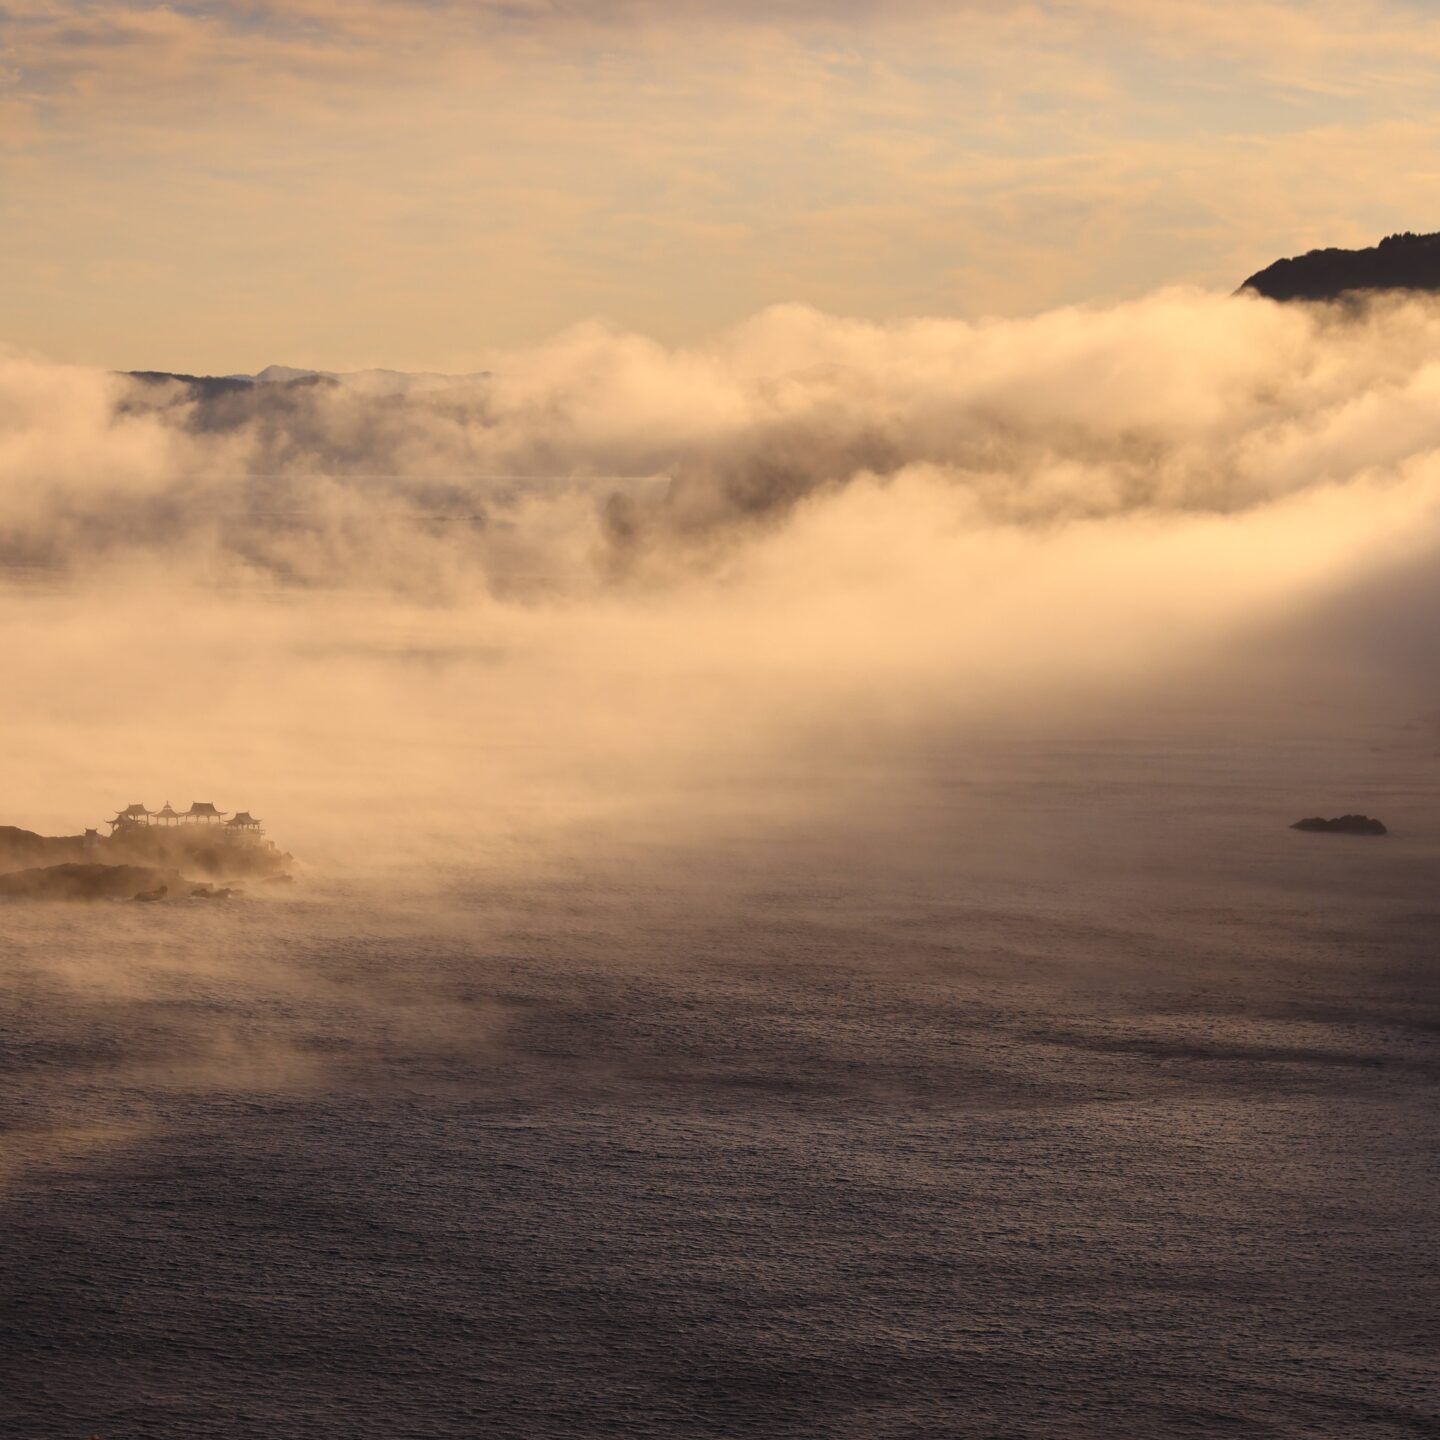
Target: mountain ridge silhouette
{"x":1405,"y":261}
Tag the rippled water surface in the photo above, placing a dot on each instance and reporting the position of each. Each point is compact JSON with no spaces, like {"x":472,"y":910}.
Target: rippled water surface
{"x":1071,"y":1094}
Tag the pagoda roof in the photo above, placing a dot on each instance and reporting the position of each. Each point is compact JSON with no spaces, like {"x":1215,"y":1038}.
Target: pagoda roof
{"x":243,"y":817}
{"x":167,"y":813}
{"x":136,"y":809}
{"x":203,"y":807}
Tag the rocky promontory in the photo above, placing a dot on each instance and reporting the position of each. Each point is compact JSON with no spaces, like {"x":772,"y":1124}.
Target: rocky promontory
{"x":202,"y":851}
{"x":140,"y":860}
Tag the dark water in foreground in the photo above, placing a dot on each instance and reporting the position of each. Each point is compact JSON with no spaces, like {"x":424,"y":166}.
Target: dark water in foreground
{"x":1015,"y":1106}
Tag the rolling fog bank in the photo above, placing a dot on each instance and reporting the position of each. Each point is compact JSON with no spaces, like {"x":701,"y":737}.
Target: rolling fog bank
{"x":606,"y":570}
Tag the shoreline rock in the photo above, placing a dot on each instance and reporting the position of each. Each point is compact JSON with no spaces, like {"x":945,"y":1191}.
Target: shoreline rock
{"x":139,"y":883}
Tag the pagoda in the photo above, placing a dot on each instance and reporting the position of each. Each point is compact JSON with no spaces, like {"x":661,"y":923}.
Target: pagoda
{"x":243,"y":826}
{"x":131,"y":817}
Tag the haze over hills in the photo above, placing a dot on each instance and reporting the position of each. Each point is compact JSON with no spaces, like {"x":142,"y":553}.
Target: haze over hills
{"x":365,"y":382}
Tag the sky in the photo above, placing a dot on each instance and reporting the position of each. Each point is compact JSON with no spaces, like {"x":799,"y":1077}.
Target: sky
{"x":221,"y":185}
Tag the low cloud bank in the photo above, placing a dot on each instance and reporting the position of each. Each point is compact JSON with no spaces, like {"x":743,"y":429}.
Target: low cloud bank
{"x":1181,"y":403}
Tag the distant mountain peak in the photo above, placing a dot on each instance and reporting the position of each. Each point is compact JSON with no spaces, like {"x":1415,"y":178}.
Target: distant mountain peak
{"x":1405,"y":261}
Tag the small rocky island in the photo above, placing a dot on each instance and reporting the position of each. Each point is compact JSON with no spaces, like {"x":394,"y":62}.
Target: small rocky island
{"x":1399,"y":262}
{"x":149,"y":855}
{"x":1343,"y":825}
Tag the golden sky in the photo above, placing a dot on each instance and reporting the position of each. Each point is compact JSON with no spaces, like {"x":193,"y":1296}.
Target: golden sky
{"x":220,"y":185}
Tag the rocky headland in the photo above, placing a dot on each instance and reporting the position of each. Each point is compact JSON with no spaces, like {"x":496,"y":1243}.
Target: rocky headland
{"x":135,"y":863}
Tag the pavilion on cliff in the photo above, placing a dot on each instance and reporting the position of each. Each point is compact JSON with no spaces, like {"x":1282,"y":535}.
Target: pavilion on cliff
{"x":130,"y":817}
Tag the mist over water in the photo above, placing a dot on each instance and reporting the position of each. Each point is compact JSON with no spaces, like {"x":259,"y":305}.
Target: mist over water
{"x":795,"y":927}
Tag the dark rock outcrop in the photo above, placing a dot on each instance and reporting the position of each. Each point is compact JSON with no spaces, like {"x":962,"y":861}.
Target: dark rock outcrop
{"x":1398,"y":262}
{"x":212,"y":892}
{"x":1342,"y":825}
{"x":90,"y":882}
{"x":20,"y":848}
